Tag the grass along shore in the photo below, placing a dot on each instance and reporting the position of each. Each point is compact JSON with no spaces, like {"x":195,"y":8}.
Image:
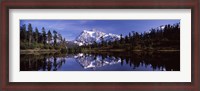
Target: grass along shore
{"x":43,"y":51}
{"x":125,"y":50}
{"x":38,"y":50}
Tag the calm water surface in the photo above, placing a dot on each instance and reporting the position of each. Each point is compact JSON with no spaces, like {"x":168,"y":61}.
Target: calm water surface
{"x":117,"y":61}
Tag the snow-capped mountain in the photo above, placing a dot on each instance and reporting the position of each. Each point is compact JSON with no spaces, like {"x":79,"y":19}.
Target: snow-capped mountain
{"x":91,"y":36}
{"x":162,"y":27}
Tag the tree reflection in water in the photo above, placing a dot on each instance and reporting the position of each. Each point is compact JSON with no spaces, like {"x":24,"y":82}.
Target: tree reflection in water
{"x":111,"y":61}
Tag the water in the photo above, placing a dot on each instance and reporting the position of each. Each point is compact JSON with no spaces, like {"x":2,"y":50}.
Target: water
{"x":104,"y":61}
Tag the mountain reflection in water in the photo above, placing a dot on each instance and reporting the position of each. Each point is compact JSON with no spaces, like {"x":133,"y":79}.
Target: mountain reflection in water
{"x":104,"y":61}
{"x":91,"y":61}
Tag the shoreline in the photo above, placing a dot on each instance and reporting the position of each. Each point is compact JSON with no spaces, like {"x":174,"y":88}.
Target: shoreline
{"x":122,"y":50}
{"x":44,"y":51}
{"x":39,"y":51}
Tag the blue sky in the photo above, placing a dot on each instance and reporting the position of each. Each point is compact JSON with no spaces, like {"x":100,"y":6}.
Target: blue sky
{"x":70,"y":29}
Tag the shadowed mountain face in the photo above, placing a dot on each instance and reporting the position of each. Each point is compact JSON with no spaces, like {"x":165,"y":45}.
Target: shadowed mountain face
{"x":112,"y":61}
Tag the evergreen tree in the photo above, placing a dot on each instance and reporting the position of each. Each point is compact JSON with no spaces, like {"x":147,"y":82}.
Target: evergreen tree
{"x":126,"y":39}
{"x":23,"y":33}
{"x":36,"y":35}
{"x":121,"y":38}
{"x":55,"y":38}
{"x":30,"y":33}
{"x":64,"y":42}
{"x":60,"y":38}
{"x":49,"y":37}
{"x":44,"y":37}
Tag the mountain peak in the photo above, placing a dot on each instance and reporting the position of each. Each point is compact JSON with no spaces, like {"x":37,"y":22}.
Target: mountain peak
{"x":91,"y":36}
{"x":85,"y":30}
{"x":92,"y":30}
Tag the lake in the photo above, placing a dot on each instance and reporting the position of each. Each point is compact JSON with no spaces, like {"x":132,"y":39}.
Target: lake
{"x":103,"y":61}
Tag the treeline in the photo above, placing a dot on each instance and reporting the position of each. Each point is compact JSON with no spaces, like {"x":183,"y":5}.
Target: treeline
{"x":33,"y":39}
{"x":165,"y":38}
